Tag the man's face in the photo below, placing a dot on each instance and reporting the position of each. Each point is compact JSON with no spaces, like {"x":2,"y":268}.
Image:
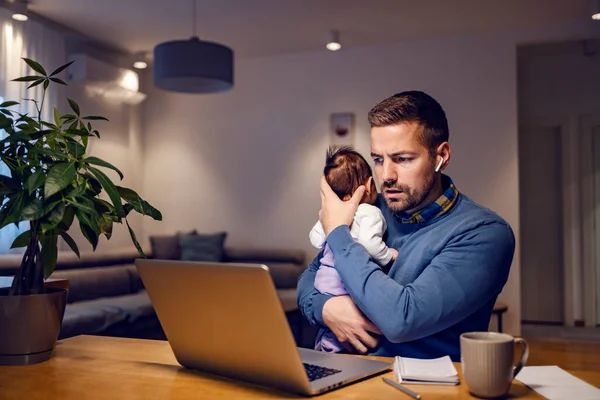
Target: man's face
{"x":403,"y":166}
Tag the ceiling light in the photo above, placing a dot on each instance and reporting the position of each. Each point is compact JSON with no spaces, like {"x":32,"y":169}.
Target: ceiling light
{"x":596,"y":10}
{"x":20,"y":10}
{"x":139,"y":60}
{"x":194,"y":65}
{"x":334,"y":44}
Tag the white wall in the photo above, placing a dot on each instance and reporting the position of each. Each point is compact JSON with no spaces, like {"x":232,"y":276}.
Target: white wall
{"x":558,"y":84}
{"x":557,"y":81}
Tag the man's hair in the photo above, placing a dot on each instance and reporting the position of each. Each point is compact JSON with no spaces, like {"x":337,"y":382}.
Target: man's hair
{"x":414,"y":106}
{"x":345,"y":170}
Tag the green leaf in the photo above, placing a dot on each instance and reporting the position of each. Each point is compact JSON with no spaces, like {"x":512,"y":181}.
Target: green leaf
{"x":77,"y":191}
{"x":27,"y":79}
{"x":46,"y":151}
{"x":7,"y":113}
{"x":34,"y":84}
{"x":82,"y":204}
{"x":35,"y":181}
{"x":97,"y":161}
{"x":49,"y":125}
{"x":68,"y":116}
{"x":59,"y":177}
{"x":8,"y":185}
{"x":35,"y":66}
{"x":33,"y":210}
{"x":61,"y":68}
{"x":57,"y":120}
{"x":5,"y":122}
{"x":11,"y":210}
{"x":77,"y":132}
{"x":49,"y":252}
{"x":21,"y":241}
{"x":134,"y":240}
{"x":111,"y":190}
{"x":46,"y":84}
{"x":92,"y":184}
{"x":59,"y":81}
{"x":76,"y":149}
{"x":89,"y":228}
{"x":103,"y":206}
{"x":8,"y":104}
{"x":69,"y":240}
{"x":106,"y":225}
{"x":74,"y":106}
{"x":67,"y":219}
{"x":95,"y":118}
{"x":53,"y":216}
{"x":140,"y":205}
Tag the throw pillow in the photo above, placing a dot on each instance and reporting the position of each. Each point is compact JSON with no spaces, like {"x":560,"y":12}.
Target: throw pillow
{"x":203,"y":247}
{"x":166,"y":247}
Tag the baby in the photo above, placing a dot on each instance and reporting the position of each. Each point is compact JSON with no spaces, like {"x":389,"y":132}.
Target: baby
{"x":346,"y":170}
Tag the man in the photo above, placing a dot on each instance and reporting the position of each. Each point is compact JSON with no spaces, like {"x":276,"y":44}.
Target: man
{"x":454,"y":255}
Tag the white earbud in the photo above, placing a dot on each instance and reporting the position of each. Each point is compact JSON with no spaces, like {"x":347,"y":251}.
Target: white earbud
{"x":437,"y":169}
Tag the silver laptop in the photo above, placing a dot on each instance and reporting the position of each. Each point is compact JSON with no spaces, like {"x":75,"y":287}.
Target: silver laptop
{"x":226,"y":319}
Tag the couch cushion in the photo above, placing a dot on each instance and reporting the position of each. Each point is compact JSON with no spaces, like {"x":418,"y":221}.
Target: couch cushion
{"x":91,"y":283}
{"x":134,"y":306}
{"x":98,"y":315}
{"x":136,"y":281}
{"x":288,"y":299}
{"x":264,"y":255}
{"x":285,"y":275}
{"x":202,"y":247}
{"x":86,"y":318}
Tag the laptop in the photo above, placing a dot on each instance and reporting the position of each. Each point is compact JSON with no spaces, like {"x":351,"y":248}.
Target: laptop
{"x":226,"y":319}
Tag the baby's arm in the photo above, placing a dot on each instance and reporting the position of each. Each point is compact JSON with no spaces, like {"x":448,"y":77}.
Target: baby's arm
{"x":370,"y":234}
{"x":317,"y":235}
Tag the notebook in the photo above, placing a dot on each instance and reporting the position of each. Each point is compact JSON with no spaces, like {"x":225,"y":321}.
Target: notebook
{"x":437,"y":371}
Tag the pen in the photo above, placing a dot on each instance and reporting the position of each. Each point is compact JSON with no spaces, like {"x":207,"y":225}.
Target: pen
{"x":402,"y":388}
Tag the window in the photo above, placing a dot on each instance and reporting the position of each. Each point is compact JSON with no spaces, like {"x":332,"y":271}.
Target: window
{"x":9,"y":232}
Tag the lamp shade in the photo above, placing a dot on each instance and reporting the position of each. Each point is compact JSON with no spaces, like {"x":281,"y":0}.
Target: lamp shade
{"x":193,"y":66}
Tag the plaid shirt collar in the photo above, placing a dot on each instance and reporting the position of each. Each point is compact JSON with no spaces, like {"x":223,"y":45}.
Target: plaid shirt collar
{"x":437,"y":208}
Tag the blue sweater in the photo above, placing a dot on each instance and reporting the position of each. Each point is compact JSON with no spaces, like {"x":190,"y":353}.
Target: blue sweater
{"x":444,"y":282}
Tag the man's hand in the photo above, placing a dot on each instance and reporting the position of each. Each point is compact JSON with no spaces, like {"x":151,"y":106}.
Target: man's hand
{"x":335,"y":212}
{"x":349,"y":324}
{"x":394,"y":254}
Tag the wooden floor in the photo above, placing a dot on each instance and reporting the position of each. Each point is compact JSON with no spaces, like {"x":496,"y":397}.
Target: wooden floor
{"x":565,"y":354}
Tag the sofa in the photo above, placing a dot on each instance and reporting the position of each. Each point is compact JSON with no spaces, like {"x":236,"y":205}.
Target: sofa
{"x":107,"y":297}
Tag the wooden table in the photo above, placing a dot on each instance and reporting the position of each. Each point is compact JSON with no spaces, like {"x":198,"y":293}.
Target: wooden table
{"x":94,"y":367}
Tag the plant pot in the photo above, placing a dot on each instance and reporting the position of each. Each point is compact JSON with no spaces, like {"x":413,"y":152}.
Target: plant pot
{"x":30,"y":326}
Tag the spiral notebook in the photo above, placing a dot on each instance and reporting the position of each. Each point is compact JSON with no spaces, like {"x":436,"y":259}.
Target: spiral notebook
{"x":437,"y":371}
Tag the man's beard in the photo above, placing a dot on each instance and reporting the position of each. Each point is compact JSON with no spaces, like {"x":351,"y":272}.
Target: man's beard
{"x":413,"y":198}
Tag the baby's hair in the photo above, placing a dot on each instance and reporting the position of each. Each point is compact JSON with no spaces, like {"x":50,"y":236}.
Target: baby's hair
{"x":345,"y":170}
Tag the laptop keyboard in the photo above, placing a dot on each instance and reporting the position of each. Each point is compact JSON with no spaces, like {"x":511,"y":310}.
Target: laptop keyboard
{"x":315,"y":372}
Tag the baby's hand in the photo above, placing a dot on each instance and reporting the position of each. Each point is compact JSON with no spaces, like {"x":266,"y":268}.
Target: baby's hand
{"x":394,"y":254}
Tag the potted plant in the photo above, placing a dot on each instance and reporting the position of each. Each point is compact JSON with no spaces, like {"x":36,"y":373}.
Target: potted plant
{"x":52,"y":183}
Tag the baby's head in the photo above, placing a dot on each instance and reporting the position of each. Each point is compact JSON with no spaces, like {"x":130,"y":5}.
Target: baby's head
{"x":345,"y":170}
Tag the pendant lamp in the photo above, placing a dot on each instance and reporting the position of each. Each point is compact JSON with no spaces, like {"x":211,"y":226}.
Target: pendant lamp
{"x":194,"y":65}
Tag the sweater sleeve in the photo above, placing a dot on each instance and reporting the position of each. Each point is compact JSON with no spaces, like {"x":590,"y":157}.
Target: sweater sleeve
{"x":370,"y":234}
{"x":471,"y":269}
